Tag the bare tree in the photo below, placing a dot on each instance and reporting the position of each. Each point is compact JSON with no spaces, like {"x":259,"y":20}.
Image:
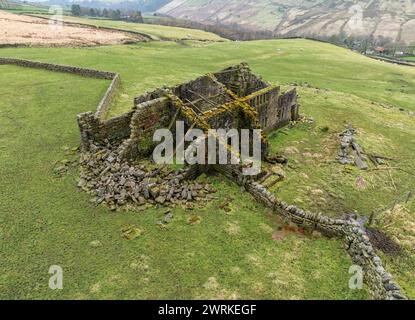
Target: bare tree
{"x":4,"y":4}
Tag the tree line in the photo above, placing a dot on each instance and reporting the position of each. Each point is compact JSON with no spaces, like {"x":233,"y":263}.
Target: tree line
{"x":229,"y":31}
{"x":114,"y":14}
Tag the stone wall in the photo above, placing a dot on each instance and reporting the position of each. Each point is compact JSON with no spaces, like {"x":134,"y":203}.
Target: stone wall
{"x":203,"y":93}
{"x":101,"y":132}
{"x":288,"y":109}
{"x":353,"y":235}
{"x":274,"y":109}
{"x":108,"y":97}
{"x":240,"y":80}
{"x":90,"y":125}
{"x":394,"y":61}
{"x":146,"y":119}
{"x":59,"y":68}
{"x":158,"y":93}
{"x":266,"y":103}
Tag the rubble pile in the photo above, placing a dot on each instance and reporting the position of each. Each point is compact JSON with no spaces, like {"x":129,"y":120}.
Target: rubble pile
{"x":117,"y":183}
{"x":350,"y":152}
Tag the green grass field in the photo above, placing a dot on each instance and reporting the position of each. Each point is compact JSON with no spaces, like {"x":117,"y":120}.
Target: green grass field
{"x":155,"y":32}
{"x":45,"y":220}
{"x":25,"y":8}
{"x":409,"y":58}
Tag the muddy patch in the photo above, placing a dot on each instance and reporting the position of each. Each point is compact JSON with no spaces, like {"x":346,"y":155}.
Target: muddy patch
{"x":381,"y":241}
{"x":285,"y":231}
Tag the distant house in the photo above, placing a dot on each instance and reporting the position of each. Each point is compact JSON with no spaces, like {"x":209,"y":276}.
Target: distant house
{"x":380,"y":50}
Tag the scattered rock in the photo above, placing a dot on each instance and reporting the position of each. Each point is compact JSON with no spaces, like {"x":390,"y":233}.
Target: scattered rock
{"x":194,"y":219}
{"x":291,"y":150}
{"x":277,"y":159}
{"x":211,"y":284}
{"x":350,"y":152}
{"x":130,"y":232}
{"x":233,"y":228}
{"x":361,"y":183}
{"x":95,"y":243}
{"x":168,"y":216}
{"x":120,"y":183}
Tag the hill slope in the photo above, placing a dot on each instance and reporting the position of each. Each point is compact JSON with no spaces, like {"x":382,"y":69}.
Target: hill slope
{"x":380,"y":18}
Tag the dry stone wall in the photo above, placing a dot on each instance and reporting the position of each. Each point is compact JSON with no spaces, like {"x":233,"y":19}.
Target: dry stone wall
{"x":353,"y":235}
{"x":108,"y":97}
{"x":60,"y":68}
{"x":91,"y":126}
{"x":274,"y":109}
{"x":146,"y":119}
{"x":240,"y":80}
{"x":100,"y":132}
{"x":288,"y":109}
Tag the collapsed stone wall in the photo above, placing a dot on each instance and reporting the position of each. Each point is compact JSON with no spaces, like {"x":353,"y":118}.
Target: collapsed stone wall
{"x":118,"y":183}
{"x":146,"y":119}
{"x":352,"y":234}
{"x":357,"y":244}
{"x":240,"y":80}
{"x":147,"y":96}
{"x":95,"y":130}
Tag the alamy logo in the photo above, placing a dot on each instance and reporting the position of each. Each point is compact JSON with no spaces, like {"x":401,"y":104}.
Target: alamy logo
{"x":56,"y":18}
{"x":217,"y":146}
{"x":356,"y":280}
{"x":356,"y":21}
{"x":56,"y":280}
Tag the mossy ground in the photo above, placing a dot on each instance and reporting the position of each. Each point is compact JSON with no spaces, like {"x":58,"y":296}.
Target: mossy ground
{"x":45,"y":220}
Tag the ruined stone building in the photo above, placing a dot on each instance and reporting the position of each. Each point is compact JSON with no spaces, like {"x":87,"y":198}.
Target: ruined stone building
{"x":233,"y":98}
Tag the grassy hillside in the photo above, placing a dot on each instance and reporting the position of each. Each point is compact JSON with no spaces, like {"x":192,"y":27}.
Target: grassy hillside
{"x":27,"y":8}
{"x":46,"y":220}
{"x":155,"y":32}
{"x":147,"y":66}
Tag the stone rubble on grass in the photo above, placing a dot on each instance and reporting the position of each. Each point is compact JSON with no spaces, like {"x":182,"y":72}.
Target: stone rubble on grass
{"x":350,"y":152}
{"x":118,"y":183}
{"x":352,"y":232}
